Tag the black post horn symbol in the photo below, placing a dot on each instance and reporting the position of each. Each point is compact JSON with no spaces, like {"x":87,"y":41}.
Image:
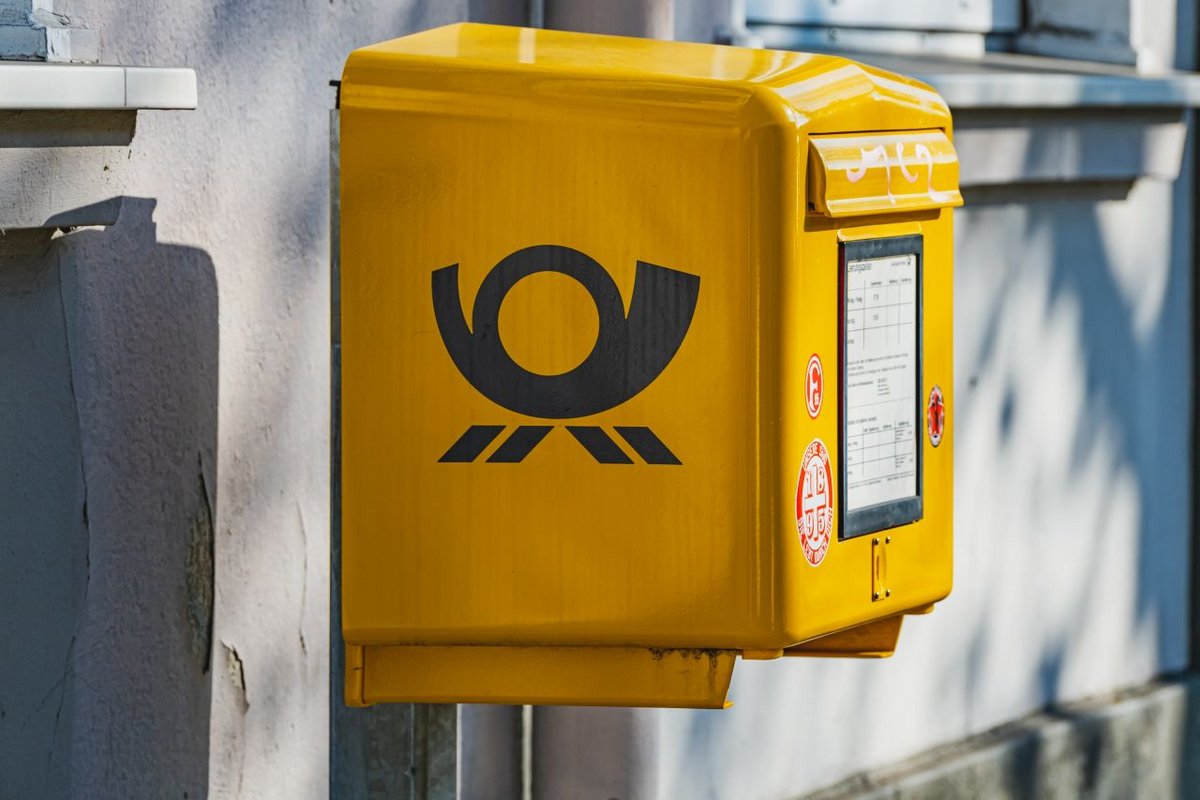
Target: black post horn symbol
{"x":630,"y":351}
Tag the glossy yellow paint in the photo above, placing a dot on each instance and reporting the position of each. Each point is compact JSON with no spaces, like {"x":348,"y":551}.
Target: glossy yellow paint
{"x":871,"y":640}
{"x":874,"y":173}
{"x":629,"y":676}
{"x":560,"y":579}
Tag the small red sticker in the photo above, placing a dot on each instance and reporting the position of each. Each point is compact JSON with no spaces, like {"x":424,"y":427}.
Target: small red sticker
{"x":814,"y":385}
{"x":935,"y":415}
{"x":814,"y":502}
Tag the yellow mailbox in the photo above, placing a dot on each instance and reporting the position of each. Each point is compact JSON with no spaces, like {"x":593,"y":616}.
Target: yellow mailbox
{"x":646,"y":364}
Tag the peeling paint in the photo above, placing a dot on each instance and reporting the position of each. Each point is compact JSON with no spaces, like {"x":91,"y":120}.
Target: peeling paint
{"x":304,"y":586}
{"x":237,"y":674}
{"x":200,"y":577}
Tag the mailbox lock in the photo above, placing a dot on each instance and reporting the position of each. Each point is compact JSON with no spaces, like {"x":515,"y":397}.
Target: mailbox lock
{"x":879,"y":589}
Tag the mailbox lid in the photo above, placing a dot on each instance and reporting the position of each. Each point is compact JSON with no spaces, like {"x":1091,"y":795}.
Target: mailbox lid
{"x":487,"y":65}
{"x":882,"y":173}
{"x":474,"y":46}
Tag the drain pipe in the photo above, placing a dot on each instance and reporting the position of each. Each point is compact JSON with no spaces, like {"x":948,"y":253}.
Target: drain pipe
{"x":735,"y":31}
{"x":650,"y":19}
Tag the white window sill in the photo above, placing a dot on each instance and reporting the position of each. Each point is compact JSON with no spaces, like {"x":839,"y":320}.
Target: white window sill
{"x":1010,"y":130}
{"x":1005,"y":80}
{"x":61,"y":87}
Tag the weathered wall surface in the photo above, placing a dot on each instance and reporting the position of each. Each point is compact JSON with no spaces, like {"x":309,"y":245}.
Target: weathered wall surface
{"x":170,"y":410}
{"x":43,"y":527}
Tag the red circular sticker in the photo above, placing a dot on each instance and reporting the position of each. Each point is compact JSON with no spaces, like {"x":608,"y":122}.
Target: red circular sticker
{"x":935,"y":415}
{"x":814,"y":502}
{"x":814,"y":386}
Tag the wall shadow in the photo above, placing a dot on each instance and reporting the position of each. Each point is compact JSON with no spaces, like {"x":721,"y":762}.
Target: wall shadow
{"x":43,"y":527}
{"x":108,"y":348}
{"x":1073,"y":473}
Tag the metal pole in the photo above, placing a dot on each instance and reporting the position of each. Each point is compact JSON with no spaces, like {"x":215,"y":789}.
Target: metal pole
{"x":735,"y":31}
{"x":653,"y":19}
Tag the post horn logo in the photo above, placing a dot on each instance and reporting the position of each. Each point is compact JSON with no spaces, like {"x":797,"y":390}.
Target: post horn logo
{"x":629,"y":354}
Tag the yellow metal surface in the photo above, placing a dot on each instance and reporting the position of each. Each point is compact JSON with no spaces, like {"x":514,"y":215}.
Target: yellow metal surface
{"x":877,"y":173}
{"x":871,"y":640}
{"x":624,"y":676}
{"x":680,"y":172}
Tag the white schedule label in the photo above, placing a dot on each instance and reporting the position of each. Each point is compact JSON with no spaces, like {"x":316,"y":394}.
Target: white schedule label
{"x":881,"y":380}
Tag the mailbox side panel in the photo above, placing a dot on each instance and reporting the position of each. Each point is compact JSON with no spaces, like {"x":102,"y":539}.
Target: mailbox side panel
{"x":897,"y":570}
{"x":887,"y":172}
{"x":448,"y":167}
{"x":849,"y":587}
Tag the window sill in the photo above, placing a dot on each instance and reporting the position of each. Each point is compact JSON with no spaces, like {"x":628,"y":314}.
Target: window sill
{"x":1007,"y":80}
{"x":60,"y":87}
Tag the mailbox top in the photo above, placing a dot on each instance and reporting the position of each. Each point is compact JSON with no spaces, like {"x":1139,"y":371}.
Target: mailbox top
{"x":716,"y":80}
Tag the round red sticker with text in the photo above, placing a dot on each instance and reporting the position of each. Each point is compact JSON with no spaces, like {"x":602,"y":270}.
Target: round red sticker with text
{"x":814,"y":502}
{"x":935,"y":416}
{"x":814,"y":386}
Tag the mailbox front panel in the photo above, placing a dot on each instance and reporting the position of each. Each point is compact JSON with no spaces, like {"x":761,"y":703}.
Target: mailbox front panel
{"x":511,"y":516}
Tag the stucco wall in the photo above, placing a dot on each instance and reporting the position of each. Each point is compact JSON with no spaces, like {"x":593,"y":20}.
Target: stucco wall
{"x":178,"y":370}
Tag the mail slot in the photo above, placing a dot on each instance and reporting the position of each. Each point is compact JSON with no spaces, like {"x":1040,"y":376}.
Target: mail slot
{"x":646,"y":364}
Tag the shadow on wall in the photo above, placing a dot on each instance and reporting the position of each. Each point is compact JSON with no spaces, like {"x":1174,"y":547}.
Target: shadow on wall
{"x":1078,"y":377}
{"x":1072,"y":469}
{"x":108,"y":348}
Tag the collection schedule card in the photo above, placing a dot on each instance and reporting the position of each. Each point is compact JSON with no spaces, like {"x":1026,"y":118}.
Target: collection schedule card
{"x":881,"y":380}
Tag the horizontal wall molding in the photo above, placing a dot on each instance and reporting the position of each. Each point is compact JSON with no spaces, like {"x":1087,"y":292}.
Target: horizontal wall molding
{"x":1062,"y":90}
{"x":983,"y":79}
{"x":37,"y":86}
{"x":1079,"y":145}
{"x":1140,"y":743}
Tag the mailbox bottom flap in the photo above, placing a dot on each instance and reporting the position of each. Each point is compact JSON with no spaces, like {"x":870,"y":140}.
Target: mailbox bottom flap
{"x":597,"y":676}
{"x":872,"y":640}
